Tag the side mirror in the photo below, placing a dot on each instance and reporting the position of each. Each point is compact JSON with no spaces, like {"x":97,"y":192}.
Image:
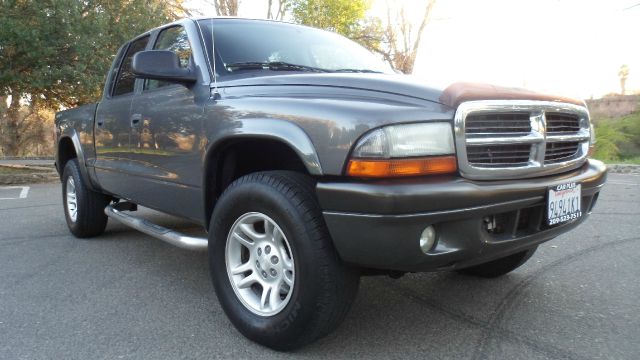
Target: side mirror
{"x":161,"y":65}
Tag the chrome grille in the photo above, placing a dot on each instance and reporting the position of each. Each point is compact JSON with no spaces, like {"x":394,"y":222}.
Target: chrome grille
{"x":499,"y":155}
{"x":490,"y":123}
{"x":559,"y":123}
{"x":519,"y":138}
{"x":561,"y":151}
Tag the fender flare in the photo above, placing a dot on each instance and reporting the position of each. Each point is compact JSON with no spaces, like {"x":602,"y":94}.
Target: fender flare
{"x":72,"y":135}
{"x":272,"y":129}
{"x":282,"y":131}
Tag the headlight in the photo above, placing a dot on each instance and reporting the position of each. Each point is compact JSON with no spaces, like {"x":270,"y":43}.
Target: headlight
{"x":401,"y":141}
{"x":404,"y":150}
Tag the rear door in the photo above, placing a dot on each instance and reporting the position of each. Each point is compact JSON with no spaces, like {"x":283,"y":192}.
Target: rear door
{"x":113,"y":122}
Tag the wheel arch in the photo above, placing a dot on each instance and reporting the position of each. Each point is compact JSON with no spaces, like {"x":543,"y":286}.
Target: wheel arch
{"x":280,"y":144}
{"x":69,"y":147}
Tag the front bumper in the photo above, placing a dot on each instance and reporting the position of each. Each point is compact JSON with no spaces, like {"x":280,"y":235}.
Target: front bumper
{"x":378,"y":224}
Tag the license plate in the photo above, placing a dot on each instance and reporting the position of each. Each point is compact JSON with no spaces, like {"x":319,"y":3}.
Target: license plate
{"x":563,"y":203}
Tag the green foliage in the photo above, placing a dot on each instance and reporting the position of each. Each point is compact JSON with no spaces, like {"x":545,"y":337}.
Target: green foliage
{"x":618,"y":139}
{"x":630,"y":125}
{"x":59,"y":51}
{"x":56,"y":53}
{"x":346,"y":17}
{"x":608,"y":138}
{"x":631,"y":160}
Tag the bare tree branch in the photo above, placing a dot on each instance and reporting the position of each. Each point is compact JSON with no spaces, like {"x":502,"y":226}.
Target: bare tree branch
{"x":226,"y":7}
{"x":401,"y":44}
{"x":269,"y":13}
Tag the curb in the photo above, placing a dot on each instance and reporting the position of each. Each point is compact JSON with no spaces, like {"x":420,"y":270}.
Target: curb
{"x":623,"y":168}
{"x":22,"y":179}
{"x":40,"y":174}
{"x":27,"y":158}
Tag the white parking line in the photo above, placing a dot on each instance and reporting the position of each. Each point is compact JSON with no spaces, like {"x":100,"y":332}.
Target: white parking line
{"x":24,"y":192}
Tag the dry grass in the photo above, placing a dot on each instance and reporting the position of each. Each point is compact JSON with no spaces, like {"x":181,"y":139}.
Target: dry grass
{"x":19,"y":170}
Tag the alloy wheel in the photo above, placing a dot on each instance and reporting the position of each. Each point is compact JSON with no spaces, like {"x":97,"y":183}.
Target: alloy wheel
{"x":260,"y":264}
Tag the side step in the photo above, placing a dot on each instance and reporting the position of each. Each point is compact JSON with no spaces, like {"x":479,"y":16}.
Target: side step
{"x":175,"y":238}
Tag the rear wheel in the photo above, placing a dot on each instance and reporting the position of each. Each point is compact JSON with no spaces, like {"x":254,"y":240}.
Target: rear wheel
{"x":83,"y":208}
{"x":500,"y":266}
{"x":273,"y":264}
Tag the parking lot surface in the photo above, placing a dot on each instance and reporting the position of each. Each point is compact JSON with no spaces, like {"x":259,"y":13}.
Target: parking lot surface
{"x":125,"y":295}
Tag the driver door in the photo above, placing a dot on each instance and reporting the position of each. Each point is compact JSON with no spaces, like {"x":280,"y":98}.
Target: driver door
{"x":166,"y":137}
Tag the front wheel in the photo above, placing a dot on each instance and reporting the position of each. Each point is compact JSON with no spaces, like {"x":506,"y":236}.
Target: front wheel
{"x":273,"y":264}
{"x":500,"y":266}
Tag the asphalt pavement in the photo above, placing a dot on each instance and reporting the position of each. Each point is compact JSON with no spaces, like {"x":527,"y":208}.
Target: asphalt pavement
{"x":125,"y":295}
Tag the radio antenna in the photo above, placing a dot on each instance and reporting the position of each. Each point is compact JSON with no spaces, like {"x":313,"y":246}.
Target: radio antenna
{"x":216,"y":94}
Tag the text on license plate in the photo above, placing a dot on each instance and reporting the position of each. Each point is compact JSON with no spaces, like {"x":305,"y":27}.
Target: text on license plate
{"x":564,"y":203}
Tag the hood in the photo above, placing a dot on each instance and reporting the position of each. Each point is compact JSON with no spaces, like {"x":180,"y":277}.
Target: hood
{"x":390,"y":84}
{"x":403,"y":85}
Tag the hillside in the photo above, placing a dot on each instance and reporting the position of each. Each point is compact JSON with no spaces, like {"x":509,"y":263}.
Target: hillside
{"x":618,"y":138}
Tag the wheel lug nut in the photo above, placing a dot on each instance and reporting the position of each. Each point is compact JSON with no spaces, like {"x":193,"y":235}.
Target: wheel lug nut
{"x":273,"y":272}
{"x":257,"y":264}
{"x":274,"y":259}
{"x":267,"y":249}
{"x":259,"y":251}
{"x":264,"y":274}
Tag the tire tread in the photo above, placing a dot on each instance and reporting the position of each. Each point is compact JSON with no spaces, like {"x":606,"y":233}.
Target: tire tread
{"x":91,"y":220}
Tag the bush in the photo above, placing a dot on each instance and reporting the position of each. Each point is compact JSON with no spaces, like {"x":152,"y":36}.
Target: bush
{"x":618,"y":139}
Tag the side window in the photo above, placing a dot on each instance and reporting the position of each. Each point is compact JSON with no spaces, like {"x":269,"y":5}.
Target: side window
{"x":113,"y":72}
{"x":126,"y":78}
{"x":174,"y":39}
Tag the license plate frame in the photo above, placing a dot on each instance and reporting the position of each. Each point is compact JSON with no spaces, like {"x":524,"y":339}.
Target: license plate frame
{"x":564,"y":203}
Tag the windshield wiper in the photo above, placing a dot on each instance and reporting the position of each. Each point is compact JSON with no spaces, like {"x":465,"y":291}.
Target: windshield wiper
{"x":272,"y":65}
{"x":358,"y":71}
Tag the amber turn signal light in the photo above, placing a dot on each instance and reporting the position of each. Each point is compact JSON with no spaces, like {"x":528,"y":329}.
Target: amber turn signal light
{"x":402,"y":167}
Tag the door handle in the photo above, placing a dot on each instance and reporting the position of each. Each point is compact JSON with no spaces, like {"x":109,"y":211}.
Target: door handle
{"x":135,"y":119}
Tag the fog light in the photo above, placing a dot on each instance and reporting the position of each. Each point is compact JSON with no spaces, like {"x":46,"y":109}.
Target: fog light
{"x":427,"y":239}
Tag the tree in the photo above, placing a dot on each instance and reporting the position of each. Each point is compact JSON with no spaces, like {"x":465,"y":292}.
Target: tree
{"x":226,"y":7}
{"x":342,"y":16}
{"x":282,"y":7}
{"x":623,"y":74}
{"x":34,"y":130}
{"x":397,"y":41}
{"x":400,"y":41}
{"x":56,"y":52}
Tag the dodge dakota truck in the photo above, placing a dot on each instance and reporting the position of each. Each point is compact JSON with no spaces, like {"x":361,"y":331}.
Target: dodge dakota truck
{"x":309,"y":163}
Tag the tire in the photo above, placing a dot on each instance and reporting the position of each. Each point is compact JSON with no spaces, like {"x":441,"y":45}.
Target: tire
{"x":500,"y":266}
{"x":313,"y":288}
{"x":88,"y":219}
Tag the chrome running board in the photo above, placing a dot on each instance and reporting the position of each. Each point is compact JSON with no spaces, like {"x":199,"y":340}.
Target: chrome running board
{"x":172,"y":237}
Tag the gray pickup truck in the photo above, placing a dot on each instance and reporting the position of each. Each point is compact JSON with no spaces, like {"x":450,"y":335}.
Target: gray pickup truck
{"x":310,"y":163}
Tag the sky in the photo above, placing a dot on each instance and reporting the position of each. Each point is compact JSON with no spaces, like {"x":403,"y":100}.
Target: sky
{"x":566,"y":47}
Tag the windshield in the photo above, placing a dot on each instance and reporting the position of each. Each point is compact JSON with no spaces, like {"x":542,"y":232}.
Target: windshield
{"x":242,"y":45}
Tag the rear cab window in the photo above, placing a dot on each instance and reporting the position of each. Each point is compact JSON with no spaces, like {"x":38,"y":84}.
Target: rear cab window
{"x":125,"y":82}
